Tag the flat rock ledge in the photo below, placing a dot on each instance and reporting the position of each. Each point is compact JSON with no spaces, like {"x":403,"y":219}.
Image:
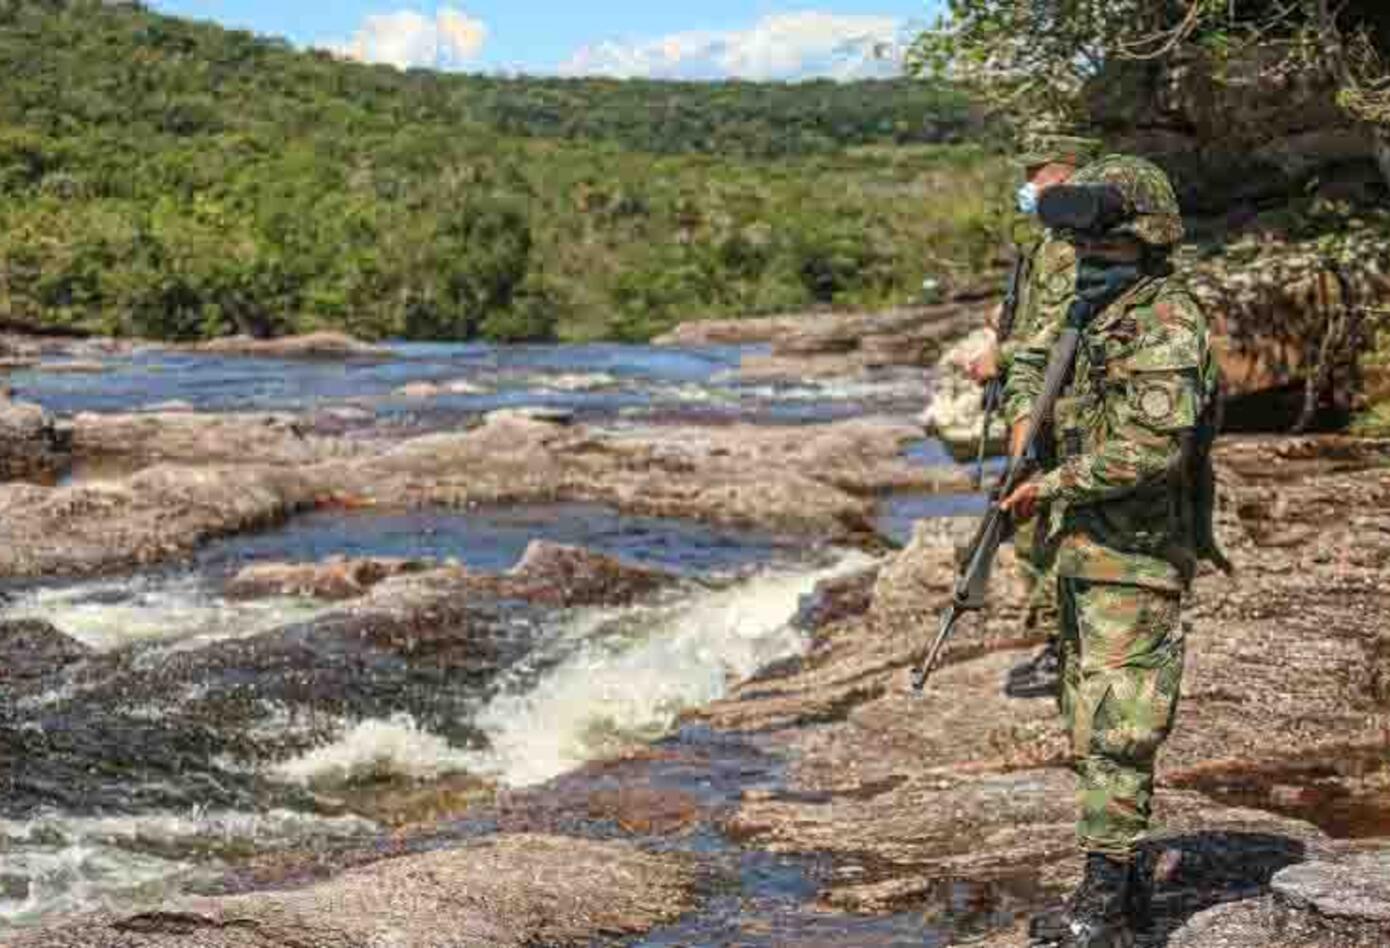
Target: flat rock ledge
{"x":506,"y":891}
{"x":316,"y":345}
{"x":1323,"y":903}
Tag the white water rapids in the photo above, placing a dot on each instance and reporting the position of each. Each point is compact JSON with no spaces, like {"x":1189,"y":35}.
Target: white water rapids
{"x":604,"y":678}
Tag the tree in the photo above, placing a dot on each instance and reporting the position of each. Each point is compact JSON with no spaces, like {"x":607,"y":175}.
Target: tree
{"x":1031,"y":57}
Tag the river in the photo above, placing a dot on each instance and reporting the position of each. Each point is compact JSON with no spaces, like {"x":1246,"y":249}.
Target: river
{"x":567,"y":686}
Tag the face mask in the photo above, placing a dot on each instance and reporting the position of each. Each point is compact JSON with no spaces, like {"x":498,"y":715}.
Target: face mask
{"x":1028,"y":198}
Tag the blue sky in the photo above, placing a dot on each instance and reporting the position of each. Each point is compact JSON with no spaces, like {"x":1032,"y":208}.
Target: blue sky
{"x":718,"y":38}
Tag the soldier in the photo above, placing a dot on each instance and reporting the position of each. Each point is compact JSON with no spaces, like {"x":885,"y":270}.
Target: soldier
{"x":1048,"y":158}
{"x":1127,"y":545}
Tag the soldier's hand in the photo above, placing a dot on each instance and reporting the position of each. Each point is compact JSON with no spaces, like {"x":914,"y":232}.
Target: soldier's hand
{"x":1023,"y":502}
{"x":984,"y":366}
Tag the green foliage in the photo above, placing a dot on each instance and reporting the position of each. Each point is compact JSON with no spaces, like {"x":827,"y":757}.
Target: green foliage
{"x":1027,"y":58}
{"x":178,"y":180}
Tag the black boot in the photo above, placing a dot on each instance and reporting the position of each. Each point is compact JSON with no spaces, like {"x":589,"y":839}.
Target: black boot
{"x":1097,"y":915}
{"x":1141,"y":887}
{"x":1039,"y":676}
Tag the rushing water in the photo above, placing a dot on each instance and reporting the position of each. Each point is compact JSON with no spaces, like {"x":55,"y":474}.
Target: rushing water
{"x":577,"y":684}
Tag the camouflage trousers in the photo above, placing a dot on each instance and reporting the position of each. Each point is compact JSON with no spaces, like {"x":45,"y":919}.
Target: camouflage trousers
{"x":1036,"y":561}
{"x":1122,"y":655}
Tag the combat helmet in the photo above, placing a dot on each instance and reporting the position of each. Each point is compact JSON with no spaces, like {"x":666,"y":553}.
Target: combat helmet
{"x":1153,"y":215}
{"x":1048,"y":148}
{"x":1054,"y":139}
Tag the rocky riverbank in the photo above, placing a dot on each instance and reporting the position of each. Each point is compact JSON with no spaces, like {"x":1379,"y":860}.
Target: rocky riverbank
{"x":1282,"y":754}
{"x":380,"y":700}
{"x":1275,"y":790}
{"x":820,"y":481}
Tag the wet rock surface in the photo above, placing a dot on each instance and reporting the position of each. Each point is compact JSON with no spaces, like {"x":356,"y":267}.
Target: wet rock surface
{"x":30,"y":648}
{"x":33,"y":446}
{"x":337,"y":578}
{"x":509,"y":891}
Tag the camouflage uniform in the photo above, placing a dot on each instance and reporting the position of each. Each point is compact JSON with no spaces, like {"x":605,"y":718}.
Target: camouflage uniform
{"x":1051,"y":282}
{"x":1143,"y":371}
{"x":1044,"y":298}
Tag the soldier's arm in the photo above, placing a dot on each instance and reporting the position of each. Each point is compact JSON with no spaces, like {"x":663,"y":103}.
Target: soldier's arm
{"x":1023,"y":359}
{"x":1147,"y":417}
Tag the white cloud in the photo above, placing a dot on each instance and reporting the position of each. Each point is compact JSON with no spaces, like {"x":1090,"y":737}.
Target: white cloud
{"x":406,"y":38}
{"x":779,"y":46}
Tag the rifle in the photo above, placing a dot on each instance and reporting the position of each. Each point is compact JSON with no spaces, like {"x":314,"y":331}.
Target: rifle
{"x":994,"y":388}
{"x":972,"y":579}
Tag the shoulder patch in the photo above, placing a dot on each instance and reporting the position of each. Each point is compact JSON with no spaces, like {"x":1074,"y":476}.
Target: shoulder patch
{"x":1156,"y":403}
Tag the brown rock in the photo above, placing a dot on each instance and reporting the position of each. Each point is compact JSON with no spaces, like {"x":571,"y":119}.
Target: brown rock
{"x":560,"y":575}
{"x":31,"y":648}
{"x":201,"y":438}
{"x":821,"y":481}
{"x":1288,"y":668}
{"x":318,"y":345}
{"x":159,"y":513}
{"x":644,"y":810}
{"x":32,"y":446}
{"x":809,"y":480}
{"x":505,"y":891}
{"x":72,"y":367}
{"x":337,"y":578}
{"x":829,"y":333}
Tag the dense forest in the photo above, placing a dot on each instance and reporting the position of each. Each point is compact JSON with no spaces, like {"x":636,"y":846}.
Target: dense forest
{"x":177,"y":180}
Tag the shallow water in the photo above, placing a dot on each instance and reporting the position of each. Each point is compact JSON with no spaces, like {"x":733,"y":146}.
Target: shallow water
{"x":600,"y":381}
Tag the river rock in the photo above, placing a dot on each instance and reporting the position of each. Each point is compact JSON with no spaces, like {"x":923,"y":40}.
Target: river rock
{"x":817,"y":480}
{"x":1340,"y":901}
{"x":32,"y":446}
{"x":542,"y":413}
{"x":336,"y":578}
{"x":159,"y":513}
{"x":31,"y":648}
{"x":71,"y":367}
{"x":507,"y":891}
{"x":420,"y":390}
{"x":1354,"y":890}
{"x":318,"y":345}
{"x":568,"y":576}
{"x":908,"y":335}
{"x":203,"y":438}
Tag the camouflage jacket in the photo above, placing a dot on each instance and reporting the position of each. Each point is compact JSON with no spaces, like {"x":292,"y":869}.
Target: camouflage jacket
{"x":1043,"y":302}
{"x":1120,"y":426}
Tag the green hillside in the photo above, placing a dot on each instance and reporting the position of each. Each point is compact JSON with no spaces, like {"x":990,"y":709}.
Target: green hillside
{"x":172,"y":179}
